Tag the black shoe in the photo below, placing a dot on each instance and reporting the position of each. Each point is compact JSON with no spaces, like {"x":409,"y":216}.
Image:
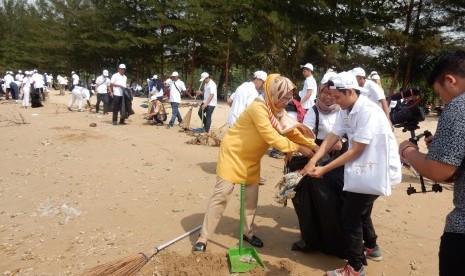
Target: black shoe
{"x":122,"y":123}
{"x":301,"y":246}
{"x":200,"y":246}
{"x":115,"y":123}
{"x":255,"y":241}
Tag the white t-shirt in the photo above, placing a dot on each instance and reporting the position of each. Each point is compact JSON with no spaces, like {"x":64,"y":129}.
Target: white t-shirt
{"x":75,"y":78}
{"x":8,"y":79}
{"x":210,"y":89}
{"x":26,"y":84}
{"x":49,"y":78}
{"x":374,"y":93}
{"x":19,"y":77}
{"x":38,"y":81}
{"x":310,"y":83}
{"x":119,"y":79}
{"x":244,"y":95}
{"x":362,"y":123}
{"x":81,"y":92}
{"x":326,"y":124}
{"x":175,"y":93}
{"x":101,"y":84}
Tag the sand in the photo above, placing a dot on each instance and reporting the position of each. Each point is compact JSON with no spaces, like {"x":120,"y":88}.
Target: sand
{"x":75,"y":196}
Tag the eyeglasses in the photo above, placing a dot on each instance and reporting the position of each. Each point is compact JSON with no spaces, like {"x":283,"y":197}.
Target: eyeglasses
{"x":286,"y":99}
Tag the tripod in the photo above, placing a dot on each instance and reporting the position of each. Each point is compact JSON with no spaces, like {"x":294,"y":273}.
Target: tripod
{"x":414,"y":139}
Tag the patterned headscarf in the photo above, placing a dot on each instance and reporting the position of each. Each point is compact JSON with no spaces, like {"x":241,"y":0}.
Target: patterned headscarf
{"x":276,"y":87}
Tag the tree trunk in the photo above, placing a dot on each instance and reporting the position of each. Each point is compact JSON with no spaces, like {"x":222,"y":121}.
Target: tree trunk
{"x":408,"y":20}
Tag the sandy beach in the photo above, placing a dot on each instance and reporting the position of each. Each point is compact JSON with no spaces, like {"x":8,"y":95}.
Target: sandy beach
{"x":75,"y":196}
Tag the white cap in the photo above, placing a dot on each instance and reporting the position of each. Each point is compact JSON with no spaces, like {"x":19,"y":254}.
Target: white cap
{"x":374,"y":75}
{"x":122,"y":66}
{"x":155,"y":77}
{"x":260,"y":75}
{"x":203,"y":76}
{"x":347,"y":80}
{"x":28,"y":73}
{"x":72,"y":72}
{"x":330,"y":75}
{"x":105,"y":73}
{"x":308,"y":66}
{"x":153,"y":98}
{"x":174,"y":74}
{"x":19,"y":71}
{"x":358,"y":72}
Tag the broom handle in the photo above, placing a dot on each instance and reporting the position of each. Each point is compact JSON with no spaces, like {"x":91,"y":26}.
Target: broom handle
{"x":241,"y":226}
{"x":163,"y":246}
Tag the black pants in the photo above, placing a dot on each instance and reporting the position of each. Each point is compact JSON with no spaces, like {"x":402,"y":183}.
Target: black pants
{"x":102,"y":98}
{"x":206,"y":116}
{"x":451,"y":254}
{"x":358,"y":227}
{"x":117,"y":100}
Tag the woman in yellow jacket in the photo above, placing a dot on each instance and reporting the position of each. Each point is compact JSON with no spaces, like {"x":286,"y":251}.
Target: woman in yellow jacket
{"x":260,"y":126}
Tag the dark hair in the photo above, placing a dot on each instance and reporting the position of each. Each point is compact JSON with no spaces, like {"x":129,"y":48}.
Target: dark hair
{"x":451,"y":62}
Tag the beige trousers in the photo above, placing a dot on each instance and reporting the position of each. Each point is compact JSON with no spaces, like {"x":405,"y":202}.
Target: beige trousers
{"x":218,"y":202}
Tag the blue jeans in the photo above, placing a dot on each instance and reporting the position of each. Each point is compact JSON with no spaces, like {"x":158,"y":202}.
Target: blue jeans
{"x":176,"y":114}
{"x":206,"y":116}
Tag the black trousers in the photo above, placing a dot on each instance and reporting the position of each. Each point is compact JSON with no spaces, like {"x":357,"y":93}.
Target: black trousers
{"x":206,"y":116}
{"x":117,"y":100}
{"x":358,"y":226}
{"x":102,"y":98}
{"x":451,"y":254}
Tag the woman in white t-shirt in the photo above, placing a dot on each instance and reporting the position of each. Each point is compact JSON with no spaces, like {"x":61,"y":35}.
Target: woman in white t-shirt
{"x":318,"y":201}
{"x":327,"y":112}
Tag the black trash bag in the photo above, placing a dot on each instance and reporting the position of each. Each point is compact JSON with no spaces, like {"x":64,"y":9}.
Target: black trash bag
{"x":36,"y":99}
{"x":318,"y":203}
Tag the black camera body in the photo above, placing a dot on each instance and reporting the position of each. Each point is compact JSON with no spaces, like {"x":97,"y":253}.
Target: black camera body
{"x":407,"y":114}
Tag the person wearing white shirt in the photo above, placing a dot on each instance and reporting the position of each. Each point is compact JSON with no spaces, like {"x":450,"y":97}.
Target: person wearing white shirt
{"x":177,"y":87}
{"x":26,"y":87}
{"x":62,"y":83}
{"x":19,"y":76}
{"x":49,"y":79}
{"x":102,"y":85}
{"x":363,"y":121}
{"x":244,"y":95}
{"x":8,"y":79}
{"x":79,"y":93}
{"x":308,"y":93}
{"x":38,"y":83}
{"x":74,"y":79}
{"x":156,"y":88}
{"x":374,"y":92}
{"x":209,"y":101}
{"x":118,"y":82}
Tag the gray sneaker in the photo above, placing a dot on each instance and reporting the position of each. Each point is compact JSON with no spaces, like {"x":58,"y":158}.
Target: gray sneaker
{"x":373,"y":253}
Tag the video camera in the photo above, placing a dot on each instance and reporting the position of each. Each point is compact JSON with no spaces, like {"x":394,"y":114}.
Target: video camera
{"x":407,"y":114}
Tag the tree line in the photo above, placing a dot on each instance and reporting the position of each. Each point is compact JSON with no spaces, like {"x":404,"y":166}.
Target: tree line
{"x":230,"y":39}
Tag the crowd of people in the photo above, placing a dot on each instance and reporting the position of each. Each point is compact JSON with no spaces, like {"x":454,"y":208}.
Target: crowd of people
{"x":349,"y":161}
{"x":337,"y":134}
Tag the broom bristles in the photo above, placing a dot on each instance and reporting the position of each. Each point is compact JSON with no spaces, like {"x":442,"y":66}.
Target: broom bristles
{"x":187,"y":120}
{"x":123,"y":267}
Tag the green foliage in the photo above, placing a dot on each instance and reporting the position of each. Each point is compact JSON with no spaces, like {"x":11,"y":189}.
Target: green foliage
{"x":397,"y":38}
